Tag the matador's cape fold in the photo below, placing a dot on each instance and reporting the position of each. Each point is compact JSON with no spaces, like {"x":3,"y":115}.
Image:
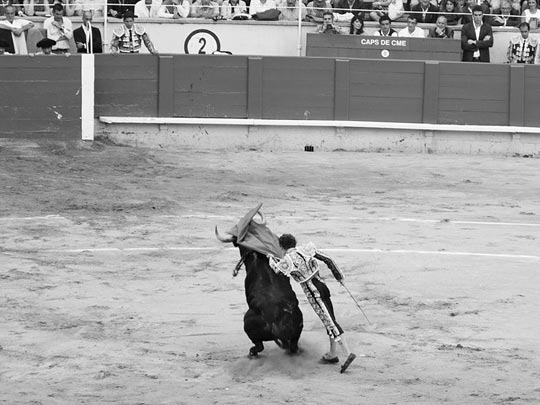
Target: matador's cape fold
{"x":255,"y":236}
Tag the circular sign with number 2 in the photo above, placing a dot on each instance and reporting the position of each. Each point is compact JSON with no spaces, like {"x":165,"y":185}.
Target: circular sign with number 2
{"x":201,"y":42}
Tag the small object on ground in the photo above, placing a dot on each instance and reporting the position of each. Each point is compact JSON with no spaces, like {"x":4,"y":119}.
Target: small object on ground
{"x":348,"y":362}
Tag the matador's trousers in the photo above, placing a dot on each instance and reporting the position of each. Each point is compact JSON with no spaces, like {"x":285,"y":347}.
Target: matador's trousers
{"x":318,"y":296}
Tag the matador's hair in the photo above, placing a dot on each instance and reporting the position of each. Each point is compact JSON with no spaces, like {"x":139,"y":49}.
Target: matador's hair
{"x":287,"y":241}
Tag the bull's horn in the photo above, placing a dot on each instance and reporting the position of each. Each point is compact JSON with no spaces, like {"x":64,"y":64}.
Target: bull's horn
{"x":223,"y":238}
{"x":263,"y":219}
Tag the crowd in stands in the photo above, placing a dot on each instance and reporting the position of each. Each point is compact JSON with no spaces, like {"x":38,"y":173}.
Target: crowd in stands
{"x":499,"y":12}
{"x":476,"y":16}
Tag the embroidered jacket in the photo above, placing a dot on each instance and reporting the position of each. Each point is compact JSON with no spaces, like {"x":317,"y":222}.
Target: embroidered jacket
{"x":129,"y":42}
{"x":522,"y":50}
{"x":301,"y":263}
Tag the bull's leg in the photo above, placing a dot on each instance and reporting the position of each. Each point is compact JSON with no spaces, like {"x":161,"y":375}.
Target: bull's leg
{"x":254,"y":328}
{"x":255,"y":350}
{"x":298,"y":322}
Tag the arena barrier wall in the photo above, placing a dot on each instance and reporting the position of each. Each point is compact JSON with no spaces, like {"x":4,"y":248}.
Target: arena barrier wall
{"x":215,"y":101}
{"x":306,"y":88}
{"x":62,"y":98}
{"x":41,"y":97}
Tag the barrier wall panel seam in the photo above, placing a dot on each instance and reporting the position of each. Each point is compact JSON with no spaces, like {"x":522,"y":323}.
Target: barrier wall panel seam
{"x":401,"y":92}
{"x":387,"y":66}
{"x":377,"y":77}
{"x":471,"y":105}
{"x":115,"y":61}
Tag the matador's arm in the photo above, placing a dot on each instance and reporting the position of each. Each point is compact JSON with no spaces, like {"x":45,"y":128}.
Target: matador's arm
{"x":149,"y":45}
{"x":336,"y":272}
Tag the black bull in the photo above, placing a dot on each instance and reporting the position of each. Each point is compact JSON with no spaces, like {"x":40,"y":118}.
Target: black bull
{"x":273,"y":312}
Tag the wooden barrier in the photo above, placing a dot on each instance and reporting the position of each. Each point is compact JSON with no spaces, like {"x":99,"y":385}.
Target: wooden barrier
{"x":312,"y":88}
{"x":361,"y":46}
{"x":127,"y":85}
{"x":274,"y":88}
{"x":41,"y":97}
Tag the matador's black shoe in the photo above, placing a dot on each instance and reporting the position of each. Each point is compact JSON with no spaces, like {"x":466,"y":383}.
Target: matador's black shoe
{"x":329,"y":360}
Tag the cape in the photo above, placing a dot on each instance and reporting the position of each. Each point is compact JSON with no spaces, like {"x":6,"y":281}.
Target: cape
{"x":255,"y":236}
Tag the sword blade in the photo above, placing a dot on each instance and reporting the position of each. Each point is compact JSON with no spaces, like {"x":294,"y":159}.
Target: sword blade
{"x":356,"y":302}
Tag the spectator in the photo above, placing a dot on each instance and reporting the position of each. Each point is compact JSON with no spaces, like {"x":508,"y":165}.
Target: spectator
{"x":40,"y":8}
{"x":523,"y":48}
{"x":177,"y":8}
{"x":258,"y":6}
{"x":151,"y":9}
{"x":386,"y":30}
{"x":3,"y":6}
{"x":234,"y":8}
{"x":357,"y":25}
{"x":129,"y":37}
{"x":46,"y":45}
{"x":394,"y":9}
{"x":59,"y":29}
{"x":117,"y":8}
{"x":95,"y":6}
{"x":441,"y":29}
{"x":425,"y":12}
{"x":316,"y":9}
{"x":531,"y":14}
{"x":476,"y":38}
{"x":460,"y":5}
{"x":410,"y":4}
{"x":18,"y":7}
{"x":4,"y":45}
{"x":347,"y":8}
{"x":87,"y":38}
{"x":411,"y":30}
{"x":449,"y":9}
{"x":290,"y":9}
{"x":466,"y":9}
{"x":69,"y":7}
{"x":506,"y":16}
{"x":516,"y":5}
{"x":204,"y":9}
{"x":18,"y":27}
{"x":490,"y":5}
{"x":328,"y":25}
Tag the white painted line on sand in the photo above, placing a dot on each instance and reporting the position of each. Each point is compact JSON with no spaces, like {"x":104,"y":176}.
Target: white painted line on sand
{"x":45,"y":217}
{"x":340,"y":250}
{"x":434,"y":252}
{"x":334,"y":218}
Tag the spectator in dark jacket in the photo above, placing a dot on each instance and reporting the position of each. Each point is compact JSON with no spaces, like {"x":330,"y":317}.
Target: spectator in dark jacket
{"x":425,"y":12}
{"x":505,"y":16}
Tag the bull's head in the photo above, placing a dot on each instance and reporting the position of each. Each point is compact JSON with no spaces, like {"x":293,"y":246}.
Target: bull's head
{"x":225,"y":239}
{"x":233,"y":238}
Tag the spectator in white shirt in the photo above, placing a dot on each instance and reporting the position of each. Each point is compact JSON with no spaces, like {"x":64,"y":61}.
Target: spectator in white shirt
{"x":258,"y":6}
{"x":59,"y":29}
{"x":411,"y":30}
{"x":151,"y":9}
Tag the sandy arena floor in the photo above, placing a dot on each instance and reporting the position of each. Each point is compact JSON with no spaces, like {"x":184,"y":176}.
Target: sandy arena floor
{"x":115,"y":290}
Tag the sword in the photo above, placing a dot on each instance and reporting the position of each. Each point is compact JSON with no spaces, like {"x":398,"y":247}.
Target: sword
{"x":355,"y":301}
